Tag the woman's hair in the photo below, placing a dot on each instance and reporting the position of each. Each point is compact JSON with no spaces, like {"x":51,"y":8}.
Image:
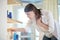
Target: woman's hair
{"x":31,"y":7}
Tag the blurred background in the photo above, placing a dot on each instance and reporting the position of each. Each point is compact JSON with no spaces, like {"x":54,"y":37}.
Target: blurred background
{"x":16,"y":11}
{"x":18,"y":19}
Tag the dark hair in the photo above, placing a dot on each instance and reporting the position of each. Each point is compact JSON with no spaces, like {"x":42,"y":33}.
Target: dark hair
{"x":31,"y":7}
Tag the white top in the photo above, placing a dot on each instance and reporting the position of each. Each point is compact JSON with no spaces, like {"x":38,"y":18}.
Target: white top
{"x":47,"y":18}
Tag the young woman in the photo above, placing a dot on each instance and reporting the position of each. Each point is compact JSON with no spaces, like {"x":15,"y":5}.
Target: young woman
{"x":42,"y":20}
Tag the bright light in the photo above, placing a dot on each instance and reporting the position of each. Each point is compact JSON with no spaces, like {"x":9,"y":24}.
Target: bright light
{"x":22,"y":17}
{"x":59,"y":19}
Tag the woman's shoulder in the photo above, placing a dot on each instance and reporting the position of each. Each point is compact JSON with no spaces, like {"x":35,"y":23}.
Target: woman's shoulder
{"x":45,"y":12}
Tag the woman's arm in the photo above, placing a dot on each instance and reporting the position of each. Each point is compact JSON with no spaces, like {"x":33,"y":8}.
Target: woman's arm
{"x":41,"y":25}
{"x":20,"y":29}
{"x":47,"y":27}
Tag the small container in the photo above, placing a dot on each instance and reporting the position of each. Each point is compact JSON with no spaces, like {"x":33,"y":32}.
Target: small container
{"x":9,"y":14}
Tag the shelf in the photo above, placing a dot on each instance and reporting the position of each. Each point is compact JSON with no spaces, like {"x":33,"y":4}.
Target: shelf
{"x":13,"y":2}
{"x":9,"y":20}
{"x":13,"y":29}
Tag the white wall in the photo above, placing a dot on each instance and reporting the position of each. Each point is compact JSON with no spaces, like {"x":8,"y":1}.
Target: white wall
{"x":3,"y":24}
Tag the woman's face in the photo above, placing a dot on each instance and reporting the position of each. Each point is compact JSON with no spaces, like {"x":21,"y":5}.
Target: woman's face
{"x":30,"y":14}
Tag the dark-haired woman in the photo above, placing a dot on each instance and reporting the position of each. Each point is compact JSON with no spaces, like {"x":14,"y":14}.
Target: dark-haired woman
{"x":41,"y":19}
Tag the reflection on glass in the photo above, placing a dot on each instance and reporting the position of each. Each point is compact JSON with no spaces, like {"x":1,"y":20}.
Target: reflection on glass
{"x":22,"y":17}
{"x":37,"y":38}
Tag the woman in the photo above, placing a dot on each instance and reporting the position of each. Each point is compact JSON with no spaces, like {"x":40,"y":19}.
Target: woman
{"x":41,"y":20}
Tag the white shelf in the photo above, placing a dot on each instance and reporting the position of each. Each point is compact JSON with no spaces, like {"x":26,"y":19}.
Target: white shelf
{"x":9,"y":20}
